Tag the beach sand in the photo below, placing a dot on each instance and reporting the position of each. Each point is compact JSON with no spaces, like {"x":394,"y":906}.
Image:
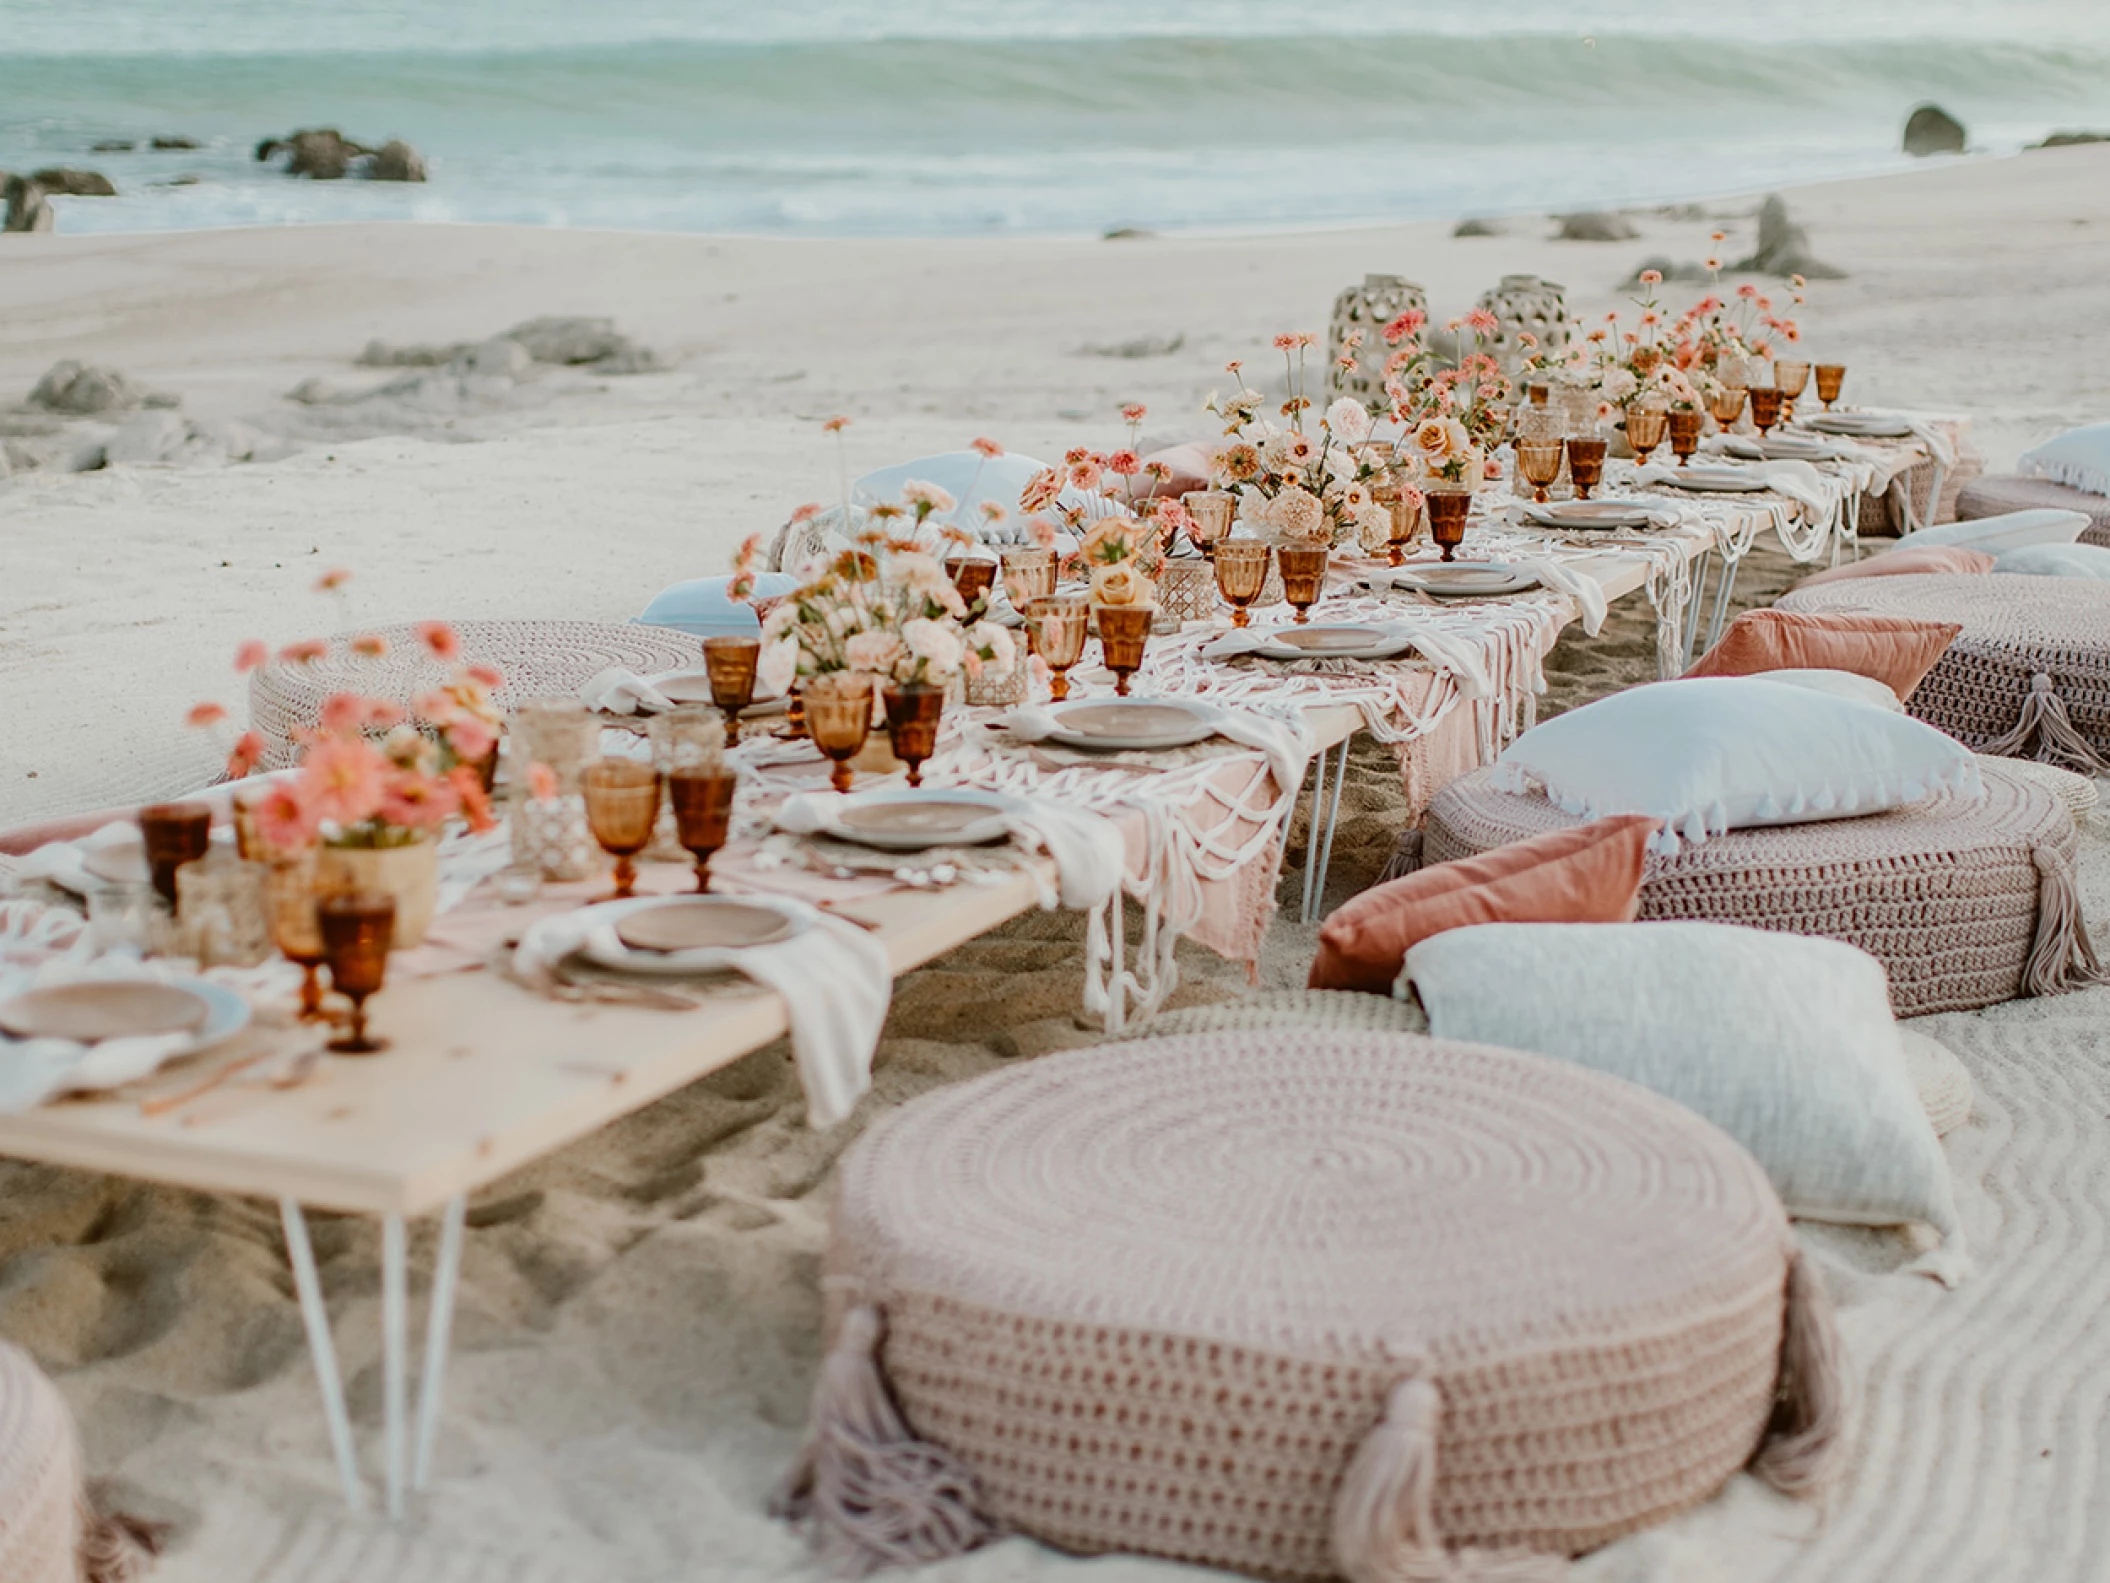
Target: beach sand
{"x":639,"y":1318}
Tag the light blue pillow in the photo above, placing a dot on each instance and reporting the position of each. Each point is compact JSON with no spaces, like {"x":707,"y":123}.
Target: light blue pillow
{"x":701,"y":606}
{"x":2057,"y":560}
{"x":1997,"y":535}
{"x":2079,"y":459}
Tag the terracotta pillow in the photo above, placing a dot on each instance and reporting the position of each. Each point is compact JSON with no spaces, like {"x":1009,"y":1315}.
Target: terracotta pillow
{"x":1915,"y":561}
{"x":1190,"y":469}
{"x":1588,"y":874}
{"x":1894,"y":650}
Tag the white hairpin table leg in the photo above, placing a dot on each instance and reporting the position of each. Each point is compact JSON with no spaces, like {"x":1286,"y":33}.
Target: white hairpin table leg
{"x":316,"y":1318}
{"x":1333,"y":819}
{"x":439,"y":1330}
{"x":394,"y":1349}
{"x":1934,"y":493}
{"x":1731,"y":565}
{"x":1700,"y":565}
{"x":1312,"y":878}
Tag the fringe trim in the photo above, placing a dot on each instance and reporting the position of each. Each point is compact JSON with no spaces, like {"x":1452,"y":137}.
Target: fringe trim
{"x":1384,"y":1516}
{"x":1806,"y":1442}
{"x":863,"y":1482}
{"x":116,"y":1547}
{"x":2058,"y":740}
{"x":2061,"y":958}
{"x":1405,"y":859}
{"x":2074,"y":475}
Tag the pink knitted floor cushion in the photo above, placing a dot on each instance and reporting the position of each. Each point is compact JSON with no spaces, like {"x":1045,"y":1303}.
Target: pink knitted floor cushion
{"x":47,"y":1532}
{"x":1965,"y":903}
{"x":1306,"y":1304}
{"x":2029,"y":675}
{"x":1996,"y":494}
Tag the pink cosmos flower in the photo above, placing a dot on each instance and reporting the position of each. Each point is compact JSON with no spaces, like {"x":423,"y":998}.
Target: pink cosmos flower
{"x":440,"y":639}
{"x":248,"y":753}
{"x":1483,"y":321}
{"x":1042,"y":532}
{"x":805,"y":513}
{"x":1717,"y":236}
{"x":284,"y":819}
{"x":992,"y":513}
{"x":1135,"y":412}
{"x":437,"y":707}
{"x":1124,"y":463}
{"x":835,"y":425}
{"x":332,"y":580}
{"x":475,"y":807}
{"x":486,"y":675}
{"x":343,"y":779}
{"x":249,"y":656}
{"x":542,"y":782}
{"x":987,"y":449}
{"x":381,"y":715}
{"x":343,"y":714}
{"x":1287,"y":342}
{"x":205,"y":714}
{"x":370,"y":646}
{"x":1652,"y":277}
{"x":417,"y":802}
{"x":1403,"y":326}
{"x":1085,"y":474}
{"x":306,"y":652}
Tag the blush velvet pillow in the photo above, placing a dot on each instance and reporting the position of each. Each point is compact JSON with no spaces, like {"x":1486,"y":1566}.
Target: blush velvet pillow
{"x":1591,"y":874}
{"x":1927,"y":560}
{"x":1894,"y":650}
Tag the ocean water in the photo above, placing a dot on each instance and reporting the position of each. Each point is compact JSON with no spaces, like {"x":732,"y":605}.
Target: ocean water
{"x":929,"y":117}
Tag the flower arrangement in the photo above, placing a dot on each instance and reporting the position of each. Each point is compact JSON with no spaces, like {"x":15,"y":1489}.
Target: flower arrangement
{"x":371,"y":773}
{"x":1122,"y":557}
{"x":1453,"y":417}
{"x":882,"y":608}
{"x":1154,"y":519}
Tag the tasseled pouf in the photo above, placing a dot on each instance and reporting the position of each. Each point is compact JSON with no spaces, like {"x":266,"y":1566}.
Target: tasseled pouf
{"x":2029,"y":675}
{"x":48,"y":1533}
{"x":1306,"y":1305}
{"x":1966,"y":902}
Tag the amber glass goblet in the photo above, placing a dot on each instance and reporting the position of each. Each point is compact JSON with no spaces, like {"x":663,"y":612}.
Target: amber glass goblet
{"x":1831,"y":378}
{"x":1684,"y":434}
{"x":1791,"y":378}
{"x":972,"y":575}
{"x":1646,"y":424}
{"x":1585,"y":462}
{"x":1241,"y":572}
{"x":703,"y":814}
{"x":1056,"y":628}
{"x":289,"y":896}
{"x":173,"y":833}
{"x":1726,"y":405}
{"x":1303,"y":577}
{"x":1124,"y":631}
{"x":1028,"y":575}
{"x":839,"y":718}
{"x":730,"y":663}
{"x":1209,"y":517}
{"x":1405,"y":509}
{"x":356,"y":930}
{"x":1448,"y":511}
{"x":912,"y":714}
{"x":622,"y":802}
{"x":1765,"y":407}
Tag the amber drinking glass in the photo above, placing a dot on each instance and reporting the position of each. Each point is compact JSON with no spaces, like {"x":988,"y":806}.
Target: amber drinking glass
{"x":1241,"y":572}
{"x":289,"y":900}
{"x":622,"y":802}
{"x":1791,"y":378}
{"x":839,"y":718}
{"x":730,"y":663}
{"x":1209,"y":512}
{"x":972,"y":575}
{"x":1124,"y":632}
{"x":174,"y":833}
{"x":1405,"y":508}
{"x":1028,"y":575}
{"x":1726,"y":405}
{"x":1831,"y":377}
{"x":1303,"y":576}
{"x":1585,"y":463}
{"x":1765,"y":407}
{"x":1684,"y":434}
{"x":355,"y":932}
{"x":1448,"y":511}
{"x":912,"y":715}
{"x":1056,"y":627}
{"x":1646,"y":424}
{"x":703,"y":814}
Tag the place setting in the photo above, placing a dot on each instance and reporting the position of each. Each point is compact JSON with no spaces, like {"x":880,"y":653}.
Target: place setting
{"x":86,"y":1030}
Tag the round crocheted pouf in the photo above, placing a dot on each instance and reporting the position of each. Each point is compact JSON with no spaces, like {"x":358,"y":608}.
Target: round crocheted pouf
{"x":1997,"y":494}
{"x":46,"y":1535}
{"x":1306,"y":1305}
{"x":2029,"y":675}
{"x":538,"y":659}
{"x":1965,"y":901}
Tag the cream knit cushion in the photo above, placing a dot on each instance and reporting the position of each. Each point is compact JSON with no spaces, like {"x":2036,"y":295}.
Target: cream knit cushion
{"x":1964,"y":902}
{"x":2029,"y":675}
{"x":41,"y":1516}
{"x":2075,"y":792}
{"x":1306,"y":1305}
{"x":1786,"y":1044}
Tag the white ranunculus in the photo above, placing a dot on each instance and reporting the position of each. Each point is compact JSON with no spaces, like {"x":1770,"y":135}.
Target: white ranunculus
{"x":1348,"y":419}
{"x":994,"y":643}
{"x":1297,"y":514}
{"x":1619,"y":385}
{"x":874,"y":652}
{"x":935,"y":642}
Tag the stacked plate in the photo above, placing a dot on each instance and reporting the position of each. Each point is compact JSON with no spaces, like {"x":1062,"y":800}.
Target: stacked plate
{"x":917,"y":819}
{"x":1115,"y":725}
{"x":694,"y":687}
{"x":682,"y":935}
{"x":1462,"y":579}
{"x":1360,"y":640}
{"x":1858,"y":425}
{"x":94,"y":1011}
{"x":1717,"y":478}
{"x":1601,"y":516}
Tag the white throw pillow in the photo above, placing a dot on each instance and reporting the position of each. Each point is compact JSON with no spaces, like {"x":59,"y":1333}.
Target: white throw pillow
{"x":1838,"y":684}
{"x":2056,"y":560}
{"x":970,"y":479}
{"x":1785,"y":1042}
{"x":1997,"y":535}
{"x":2079,"y":459}
{"x":1715,"y":753}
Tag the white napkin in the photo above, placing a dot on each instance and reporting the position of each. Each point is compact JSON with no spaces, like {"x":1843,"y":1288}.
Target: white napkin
{"x":1587,"y":592}
{"x":1799,"y":481}
{"x":1937,"y":443}
{"x":1455,"y":655}
{"x":834,"y":978}
{"x":1087,"y":848}
{"x":61,"y":863}
{"x":1285,"y":739}
{"x":35,"y":1070}
{"x":620,"y":692}
{"x":1661,"y":513}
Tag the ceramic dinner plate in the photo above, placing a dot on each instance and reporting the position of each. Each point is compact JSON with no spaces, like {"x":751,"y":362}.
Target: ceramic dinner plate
{"x":93,"y":1010}
{"x":693,"y":938}
{"x":1720,"y":480}
{"x":120,"y":863}
{"x":1862,"y":425}
{"x":1464,"y":579}
{"x":914,"y":820}
{"x":1792,"y":448}
{"x":1588,"y":514}
{"x":694,"y":687}
{"x":1360,"y":640}
{"x":1112,"y":724}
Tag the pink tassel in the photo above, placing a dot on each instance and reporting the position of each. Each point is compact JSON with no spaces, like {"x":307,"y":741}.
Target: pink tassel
{"x":863,"y":1481}
{"x":2061,"y":957}
{"x":115,"y":1547}
{"x":1807,"y":1438}
{"x":2045,"y":721}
